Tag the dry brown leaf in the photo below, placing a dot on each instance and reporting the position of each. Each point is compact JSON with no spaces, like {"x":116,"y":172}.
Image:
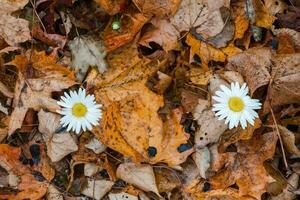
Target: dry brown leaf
{"x":228,"y":194}
{"x":202,"y":160}
{"x":13,"y":30}
{"x":4,"y":128}
{"x":58,"y":144}
{"x":157,"y":7}
{"x":54,"y":194}
{"x":287,"y":193}
{"x":162,"y":33}
{"x":166,"y":179}
{"x":295,"y":35}
{"x":206,"y":52}
{"x":28,"y":186}
{"x":96,"y":189}
{"x":142,"y":176}
{"x":5,"y":91}
{"x":262,"y":15}
{"x":248,"y":171}
{"x":195,"y":15}
{"x":35,"y":92}
{"x":275,"y":6}
{"x":288,"y":140}
{"x":285,"y":87}
{"x":254,"y":65}
{"x":122,"y":196}
{"x":131,"y":25}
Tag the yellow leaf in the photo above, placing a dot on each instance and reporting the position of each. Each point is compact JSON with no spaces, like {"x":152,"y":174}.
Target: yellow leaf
{"x":205,"y":51}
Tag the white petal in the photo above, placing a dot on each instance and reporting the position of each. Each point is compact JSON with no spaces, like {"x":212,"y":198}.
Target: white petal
{"x":219,"y":99}
{"x":243,"y":122}
{"x":226,"y":90}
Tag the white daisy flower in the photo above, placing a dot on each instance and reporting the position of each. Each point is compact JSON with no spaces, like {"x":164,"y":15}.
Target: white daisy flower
{"x":79,"y":111}
{"x":235,"y":105}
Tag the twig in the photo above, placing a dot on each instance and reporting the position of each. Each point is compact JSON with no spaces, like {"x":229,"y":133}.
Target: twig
{"x":280,"y":140}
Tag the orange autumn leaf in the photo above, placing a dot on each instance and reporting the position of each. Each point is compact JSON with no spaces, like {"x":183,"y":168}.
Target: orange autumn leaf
{"x":28,"y":187}
{"x":262,"y":15}
{"x":247,"y":169}
{"x":132,"y":126}
{"x":130,"y":26}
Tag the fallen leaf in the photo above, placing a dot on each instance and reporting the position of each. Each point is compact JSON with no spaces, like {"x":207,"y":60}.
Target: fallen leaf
{"x":142,"y":176}
{"x":28,"y":187}
{"x":112,"y":7}
{"x":287,"y":193}
{"x":247,"y":171}
{"x":163,"y":33}
{"x":58,"y":144}
{"x":194,"y":15}
{"x":35,"y":93}
{"x":54,"y":194}
{"x":4,"y":128}
{"x":166,"y":178}
{"x":288,"y":140}
{"x":131,"y":24}
{"x":87,"y":52}
{"x":157,"y":7}
{"x":262,"y":15}
{"x":96,"y":146}
{"x":206,"y":52}
{"x":228,"y":193}
{"x":286,"y":76}
{"x":96,"y":189}
{"x":202,"y":160}
{"x":47,"y":38}
{"x":275,"y":7}
{"x":91,"y":169}
{"x":13,"y":30}
{"x":122,"y":196}
{"x":5,"y":91}
{"x":254,"y":65}
{"x":295,"y":35}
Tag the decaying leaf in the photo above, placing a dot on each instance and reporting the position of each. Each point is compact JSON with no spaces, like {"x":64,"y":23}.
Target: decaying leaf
{"x":288,"y":139}
{"x":206,"y":52}
{"x":202,"y":160}
{"x":142,"y":176}
{"x":96,"y":189}
{"x":87,"y":52}
{"x":96,"y":146}
{"x":157,"y":7}
{"x":287,"y":193}
{"x":131,"y":25}
{"x":28,"y":187}
{"x":194,"y":15}
{"x":13,"y":30}
{"x":285,"y":86}
{"x":112,"y":6}
{"x":247,"y":171}
{"x":58,"y":144}
{"x":122,"y":196}
{"x":35,"y":92}
{"x":262,"y":15}
{"x":162,"y":33}
{"x":254,"y":65}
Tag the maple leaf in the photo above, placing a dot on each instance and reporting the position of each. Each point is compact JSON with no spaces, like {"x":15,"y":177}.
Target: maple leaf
{"x":13,"y":30}
{"x":247,"y":169}
{"x":35,"y":93}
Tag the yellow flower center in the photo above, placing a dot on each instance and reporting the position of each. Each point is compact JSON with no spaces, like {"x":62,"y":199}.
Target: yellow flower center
{"x":236,"y":104}
{"x":79,"y":110}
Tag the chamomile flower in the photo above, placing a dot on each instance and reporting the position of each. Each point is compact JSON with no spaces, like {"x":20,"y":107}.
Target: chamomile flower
{"x":235,"y":105}
{"x":79,"y":111}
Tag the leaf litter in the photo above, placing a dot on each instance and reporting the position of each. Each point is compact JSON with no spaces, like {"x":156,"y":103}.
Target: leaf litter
{"x":154,"y":74}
